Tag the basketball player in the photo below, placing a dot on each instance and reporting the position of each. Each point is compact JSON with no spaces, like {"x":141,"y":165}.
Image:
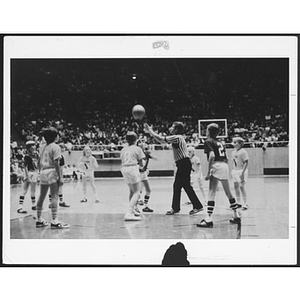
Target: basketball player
{"x":131,"y":159}
{"x":239,"y":173}
{"x":217,"y":171}
{"x":196,"y":175}
{"x":60,"y":191}
{"x":88,"y":163}
{"x":31,"y":175}
{"x":50,"y":176}
{"x":144,"y":176}
{"x":183,"y":164}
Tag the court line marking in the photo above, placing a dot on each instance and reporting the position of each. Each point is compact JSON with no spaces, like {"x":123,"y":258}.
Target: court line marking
{"x":135,"y":227}
{"x":254,"y":235}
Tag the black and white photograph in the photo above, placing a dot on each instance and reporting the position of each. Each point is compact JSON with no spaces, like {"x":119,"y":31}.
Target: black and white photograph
{"x":126,"y":147}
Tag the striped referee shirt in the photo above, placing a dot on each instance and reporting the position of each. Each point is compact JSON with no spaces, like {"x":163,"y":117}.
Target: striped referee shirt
{"x":178,"y":145}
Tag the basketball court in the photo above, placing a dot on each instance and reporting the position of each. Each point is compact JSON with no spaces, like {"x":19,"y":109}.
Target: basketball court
{"x":266,"y":218}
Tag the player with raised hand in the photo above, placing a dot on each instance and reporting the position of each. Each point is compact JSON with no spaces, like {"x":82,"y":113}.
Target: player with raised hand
{"x":88,"y":164}
{"x":217,"y":171}
{"x":239,"y":173}
{"x":31,"y":175}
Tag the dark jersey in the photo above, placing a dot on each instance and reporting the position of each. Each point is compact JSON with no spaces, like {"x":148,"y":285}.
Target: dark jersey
{"x":30,"y":161}
{"x":217,"y":147}
{"x":62,"y":161}
{"x":146,"y":158}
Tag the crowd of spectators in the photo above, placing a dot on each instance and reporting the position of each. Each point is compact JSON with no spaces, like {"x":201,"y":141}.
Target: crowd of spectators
{"x":90,"y":101}
{"x":17,"y":172}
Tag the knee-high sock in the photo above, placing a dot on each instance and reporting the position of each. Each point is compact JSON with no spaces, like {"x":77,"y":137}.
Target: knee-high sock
{"x":39,"y":211}
{"x":21,"y":201}
{"x":234,"y":207}
{"x":210,"y":207}
{"x":146,"y":199}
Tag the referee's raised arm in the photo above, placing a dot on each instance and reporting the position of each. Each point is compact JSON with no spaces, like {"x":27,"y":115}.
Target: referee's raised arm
{"x":156,"y":136}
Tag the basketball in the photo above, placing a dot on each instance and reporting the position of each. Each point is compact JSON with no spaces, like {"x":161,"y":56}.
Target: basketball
{"x":138,"y":112}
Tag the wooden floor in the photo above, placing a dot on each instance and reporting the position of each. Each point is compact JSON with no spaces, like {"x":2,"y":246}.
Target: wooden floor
{"x":267,"y":217}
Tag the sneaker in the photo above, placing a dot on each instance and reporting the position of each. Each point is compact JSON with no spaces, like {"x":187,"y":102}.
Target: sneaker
{"x":39,"y":224}
{"x":205,"y":224}
{"x":83,"y":200}
{"x":63,"y":204}
{"x":245,"y":207}
{"x":136,"y":211}
{"x":132,"y":217}
{"x":21,"y":211}
{"x":195,"y":211}
{"x":33,"y":207}
{"x":235,"y":206}
{"x":97,"y":201}
{"x":172,"y":212}
{"x":147,"y":209}
{"x":141,"y":202}
{"x":235,"y":220}
{"x":59,"y":225}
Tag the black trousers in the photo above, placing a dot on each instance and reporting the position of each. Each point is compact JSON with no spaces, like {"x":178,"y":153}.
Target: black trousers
{"x":183,"y":180}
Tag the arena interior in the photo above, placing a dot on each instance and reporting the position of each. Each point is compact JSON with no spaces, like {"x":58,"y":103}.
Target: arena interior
{"x":89,"y":101}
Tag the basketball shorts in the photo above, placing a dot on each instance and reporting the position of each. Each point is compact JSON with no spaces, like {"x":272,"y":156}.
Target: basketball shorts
{"x":131,"y":174}
{"x":144,"y":175}
{"x":32,"y":176}
{"x":48,"y":176}
{"x":89,"y":174}
{"x":220,"y":170}
{"x":236,"y":175}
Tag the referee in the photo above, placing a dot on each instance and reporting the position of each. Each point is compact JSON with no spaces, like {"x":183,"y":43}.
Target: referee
{"x":183,"y":164}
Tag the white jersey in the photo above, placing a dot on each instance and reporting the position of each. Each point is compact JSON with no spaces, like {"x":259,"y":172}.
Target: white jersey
{"x":48,"y":154}
{"x":196,"y":173}
{"x":87,"y":163}
{"x":130,"y":155}
{"x":239,"y":157}
{"x":196,"y":164}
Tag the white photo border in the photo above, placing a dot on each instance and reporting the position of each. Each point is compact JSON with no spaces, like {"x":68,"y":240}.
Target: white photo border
{"x":150,"y":252}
